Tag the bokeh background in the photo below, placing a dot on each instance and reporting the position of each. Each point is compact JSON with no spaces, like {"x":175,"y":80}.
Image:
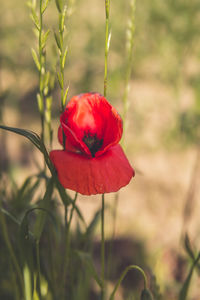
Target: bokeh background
{"x":162,"y":124}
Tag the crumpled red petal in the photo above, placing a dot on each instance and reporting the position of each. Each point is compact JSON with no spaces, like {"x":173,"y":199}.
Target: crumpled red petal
{"x":90,"y":113}
{"x":89,"y":176}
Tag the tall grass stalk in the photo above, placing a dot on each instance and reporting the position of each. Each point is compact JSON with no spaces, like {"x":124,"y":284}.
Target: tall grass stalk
{"x":44,"y":101}
{"x":62,"y":51}
{"x":129,"y":55}
{"x":107,"y":44}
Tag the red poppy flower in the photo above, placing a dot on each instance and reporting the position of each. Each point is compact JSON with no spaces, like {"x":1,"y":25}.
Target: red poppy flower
{"x":92,"y":161}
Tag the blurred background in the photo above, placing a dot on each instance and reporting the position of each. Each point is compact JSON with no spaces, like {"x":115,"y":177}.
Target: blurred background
{"x":162,"y":124}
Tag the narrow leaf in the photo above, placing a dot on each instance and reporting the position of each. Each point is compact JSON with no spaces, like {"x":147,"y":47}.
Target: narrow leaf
{"x":59,"y":5}
{"x":35,"y":58}
{"x":62,"y":19}
{"x":64,"y":58}
{"x":87,"y":260}
{"x":44,"y":6}
{"x":32,"y":136}
{"x":44,"y":38}
{"x":65,"y":96}
{"x":26,"y":242}
{"x":40,"y":104}
{"x":188,"y":247}
{"x":185,"y":288}
{"x":58,"y":41}
{"x":35,"y":19}
{"x":8,"y":214}
{"x":27,"y":282}
{"x":93,"y":223}
{"x":40,"y":222}
{"x":60,"y":80}
{"x":66,"y":199}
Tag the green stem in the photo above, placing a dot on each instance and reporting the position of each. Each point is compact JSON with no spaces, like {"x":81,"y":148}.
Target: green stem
{"x":38,"y":268}
{"x":41,"y":72}
{"x":102,"y":250}
{"x":11,"y":251}
{"x":114,"y":222}
{"x":132,"y":267}
{"x":68,"y":238}
{"x":129,"y":55}
{"x":107,"y":9}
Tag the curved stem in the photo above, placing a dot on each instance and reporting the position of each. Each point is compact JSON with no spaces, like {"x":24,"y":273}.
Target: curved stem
{"x":131,"y":267}
{"x":102,"y":251}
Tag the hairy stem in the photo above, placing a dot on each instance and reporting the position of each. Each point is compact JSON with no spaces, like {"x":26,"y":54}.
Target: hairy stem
{"x":102,"y":250}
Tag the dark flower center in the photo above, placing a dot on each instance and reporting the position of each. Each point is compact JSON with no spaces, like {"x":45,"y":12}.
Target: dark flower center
{"x":93,"y":143}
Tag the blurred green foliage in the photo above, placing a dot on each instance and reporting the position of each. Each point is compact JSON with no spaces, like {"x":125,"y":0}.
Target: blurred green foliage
{"x":167,"y":36}
{"x":166,"y":39}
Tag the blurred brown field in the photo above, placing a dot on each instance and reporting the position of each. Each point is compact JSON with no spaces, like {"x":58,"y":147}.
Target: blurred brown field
{"x":162,"y":125}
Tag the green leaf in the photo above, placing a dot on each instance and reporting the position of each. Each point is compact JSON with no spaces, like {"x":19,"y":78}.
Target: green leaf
{"x":26,"y":242}
{"x":35,"y":139}
{"x":62,"y":19}
{"x":11,"y":217}
{"x":41,"y":219}
{"x":27,"y":282}
{"x":58,"y":41}
{"x":40,"y":104}
{"x":185,"y":288}
{"x":60,"y":80}
{"x":44,"y":38}
{"x":25,"y":194}
{"x":87,"y":260}
{"x":93,"y":223}
{"x":66,"y":199}
{"x":64,"y":58}
{"x":35,"y":58}
{"x":32,"y":136}
{"x":59,"y":5}
{"x":44,"y":6}
{"x":188,"y":247}
{"x":35,"y":19}
{"x":47,"y":77}
{"x":65,"y":97}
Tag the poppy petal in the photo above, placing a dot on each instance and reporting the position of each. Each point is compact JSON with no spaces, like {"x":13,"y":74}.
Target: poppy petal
{"x":71,"y":142}
{"x":91,"y":114}
{"x":89,"y":176}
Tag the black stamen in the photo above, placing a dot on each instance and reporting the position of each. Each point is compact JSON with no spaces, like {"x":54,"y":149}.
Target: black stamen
{"x":93,"y":143}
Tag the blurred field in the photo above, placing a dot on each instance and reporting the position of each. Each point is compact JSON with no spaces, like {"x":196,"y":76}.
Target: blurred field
{"x":163,"y":120}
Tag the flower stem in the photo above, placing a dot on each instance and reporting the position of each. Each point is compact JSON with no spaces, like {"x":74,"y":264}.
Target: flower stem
{"x":131,"y":267}
{"x":38,"y":268}
{"x":68,"y":238}
{"x":102,"y":251}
